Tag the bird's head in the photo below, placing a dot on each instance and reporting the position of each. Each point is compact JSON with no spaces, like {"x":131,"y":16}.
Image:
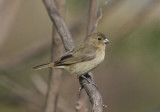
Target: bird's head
{"x":98,"y":39}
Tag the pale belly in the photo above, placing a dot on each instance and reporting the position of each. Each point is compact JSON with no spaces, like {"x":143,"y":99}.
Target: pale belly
{"x":85,"y":67}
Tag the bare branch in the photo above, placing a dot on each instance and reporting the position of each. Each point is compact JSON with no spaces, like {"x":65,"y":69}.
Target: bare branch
{"x":93,"y":93}
{"x":59,"y":24}
{"x":100,"y":13}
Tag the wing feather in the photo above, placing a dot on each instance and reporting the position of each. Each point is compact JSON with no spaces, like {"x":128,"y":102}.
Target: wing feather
{"x":78,"y":55}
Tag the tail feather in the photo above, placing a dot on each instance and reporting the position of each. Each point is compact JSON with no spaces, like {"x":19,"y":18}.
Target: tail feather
{"x":48,"y":65}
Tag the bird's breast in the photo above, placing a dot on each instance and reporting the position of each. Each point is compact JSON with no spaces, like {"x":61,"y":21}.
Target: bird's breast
{"x":85,"y":67}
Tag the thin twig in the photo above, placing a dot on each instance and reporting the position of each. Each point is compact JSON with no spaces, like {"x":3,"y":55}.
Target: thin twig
{"x":100,"y":13}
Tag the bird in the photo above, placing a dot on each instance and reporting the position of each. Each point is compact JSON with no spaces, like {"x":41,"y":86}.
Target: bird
{"x":83,"y":58}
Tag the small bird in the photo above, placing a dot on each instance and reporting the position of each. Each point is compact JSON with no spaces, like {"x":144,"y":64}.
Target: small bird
{"x":83,"y":58}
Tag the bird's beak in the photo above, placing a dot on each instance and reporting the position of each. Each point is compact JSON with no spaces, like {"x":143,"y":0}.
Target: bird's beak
{"x":106,"y":41}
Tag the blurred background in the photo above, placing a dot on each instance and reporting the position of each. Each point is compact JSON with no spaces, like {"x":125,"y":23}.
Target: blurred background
{"x":128,"y":79}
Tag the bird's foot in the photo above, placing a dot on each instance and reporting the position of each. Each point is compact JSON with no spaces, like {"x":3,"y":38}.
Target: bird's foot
{"x":89,"y":80}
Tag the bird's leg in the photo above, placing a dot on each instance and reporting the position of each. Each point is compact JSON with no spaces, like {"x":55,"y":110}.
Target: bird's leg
{"x":89,"y":80}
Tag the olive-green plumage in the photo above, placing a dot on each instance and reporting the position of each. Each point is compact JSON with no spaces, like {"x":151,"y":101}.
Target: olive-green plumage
{"x":82,"y":58}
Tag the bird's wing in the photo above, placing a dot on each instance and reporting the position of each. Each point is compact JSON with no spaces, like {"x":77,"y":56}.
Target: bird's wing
{"x":78,"y":55}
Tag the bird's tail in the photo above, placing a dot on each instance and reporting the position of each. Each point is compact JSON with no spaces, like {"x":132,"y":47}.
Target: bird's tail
{"x":48,"y":65}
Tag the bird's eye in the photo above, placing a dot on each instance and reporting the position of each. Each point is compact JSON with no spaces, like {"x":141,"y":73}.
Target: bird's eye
{"x":99,"y":39}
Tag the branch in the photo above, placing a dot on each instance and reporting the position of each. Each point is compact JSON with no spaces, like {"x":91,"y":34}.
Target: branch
{"x":59,"y":24}
{"x":100,"y":13}
{"x":93,"y":93}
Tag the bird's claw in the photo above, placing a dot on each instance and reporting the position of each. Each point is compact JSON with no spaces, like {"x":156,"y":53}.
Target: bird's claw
{"x":89,"y":81}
